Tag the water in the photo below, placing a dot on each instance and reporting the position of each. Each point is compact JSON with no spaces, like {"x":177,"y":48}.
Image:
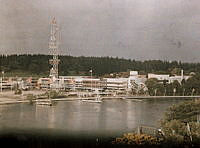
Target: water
{"x":114,"y":115}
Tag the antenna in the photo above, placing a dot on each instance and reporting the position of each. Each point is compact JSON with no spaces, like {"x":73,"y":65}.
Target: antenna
{"x":53,"y":47}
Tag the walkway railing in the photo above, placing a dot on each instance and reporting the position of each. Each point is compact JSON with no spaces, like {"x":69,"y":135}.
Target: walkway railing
{"x":147,"y":130}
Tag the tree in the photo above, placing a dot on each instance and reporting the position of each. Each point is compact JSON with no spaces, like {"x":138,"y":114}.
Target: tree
{"x":192,"y":85}
{"x":39,"y":64}
{"x":177,"y":87}
{"x":165,"y":86}
{"x":154,"y":87}
{"x":177,"y":118}
{"x":176,"y":71}
{"x":183,"y":87}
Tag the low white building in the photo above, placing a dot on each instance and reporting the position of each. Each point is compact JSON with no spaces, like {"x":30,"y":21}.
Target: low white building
{"x":133,"y":73}
{"x":5,"y":84}
{"x":178,"y":78}
{"x":70,"y":82}
{"x":44,"y":83}
{"x":134,"y":76}
{"x":170,"y":79}
{"x":160,"y":77}
{"x":81,"y":82}
{"x":116,"y":83}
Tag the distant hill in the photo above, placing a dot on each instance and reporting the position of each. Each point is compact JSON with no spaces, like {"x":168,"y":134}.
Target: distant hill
{"x":69,"y":65}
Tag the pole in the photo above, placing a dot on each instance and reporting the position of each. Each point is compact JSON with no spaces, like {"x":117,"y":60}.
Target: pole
{"x":2,"y":80}
{"x":3,"y":75}
{"x":165,"y":91}
{"x":192,"y":91}
{"x":198,"y":118}
{"x":183,"y":91}
{"x":155,"y":92}
{"x":91,"y":79}
{"x":1,"y":84}
{"x":174,"y":90}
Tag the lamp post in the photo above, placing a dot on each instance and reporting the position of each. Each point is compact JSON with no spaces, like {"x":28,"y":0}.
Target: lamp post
{"x":174,"y":90}
{"x":2,"y":80}
{"x":155,"y":92}
{"x":91,"y":78}
{"x":183,"y":91}
{"x":1,"y":84}
{"x":3,"y":74}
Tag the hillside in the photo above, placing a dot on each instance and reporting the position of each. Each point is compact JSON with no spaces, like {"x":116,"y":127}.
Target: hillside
{"x":69,"y":65}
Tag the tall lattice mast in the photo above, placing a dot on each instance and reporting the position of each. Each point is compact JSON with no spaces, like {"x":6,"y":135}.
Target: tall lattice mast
{"x":53,"y":47}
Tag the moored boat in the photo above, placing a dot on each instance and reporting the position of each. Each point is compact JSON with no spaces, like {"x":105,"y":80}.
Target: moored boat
{"x":44,"y":102}
{"x":99,"y":100}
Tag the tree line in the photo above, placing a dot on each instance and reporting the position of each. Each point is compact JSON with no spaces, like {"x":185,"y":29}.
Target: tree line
{"x":69,"y":65}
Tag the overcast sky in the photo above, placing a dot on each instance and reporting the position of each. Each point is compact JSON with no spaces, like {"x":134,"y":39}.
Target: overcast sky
{"x":135,"y":29}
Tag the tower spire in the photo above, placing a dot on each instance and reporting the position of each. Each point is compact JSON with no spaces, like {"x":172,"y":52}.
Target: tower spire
{"x":53,"y":47}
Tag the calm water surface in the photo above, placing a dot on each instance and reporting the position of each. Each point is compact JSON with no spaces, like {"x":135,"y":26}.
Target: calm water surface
{"x":111,"y":115}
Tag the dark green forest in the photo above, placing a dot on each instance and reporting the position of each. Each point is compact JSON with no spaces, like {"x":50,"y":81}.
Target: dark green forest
{"x":69,"y":65}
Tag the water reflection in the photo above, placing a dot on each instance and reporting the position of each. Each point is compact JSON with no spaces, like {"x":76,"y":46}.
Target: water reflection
{"x":110,"y":115}
{"x":133,"y":114}
{"x":45,"y":116}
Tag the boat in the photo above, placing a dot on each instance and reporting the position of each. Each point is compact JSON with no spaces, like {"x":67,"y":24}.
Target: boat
{"x":46,"y":102}
{"x":123,"y":98}
{"x":97,"y":100}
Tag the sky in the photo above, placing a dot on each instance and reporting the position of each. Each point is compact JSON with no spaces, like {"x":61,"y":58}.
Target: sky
{"x":131,"y":29}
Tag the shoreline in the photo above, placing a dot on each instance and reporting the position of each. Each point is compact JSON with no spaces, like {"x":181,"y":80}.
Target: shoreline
{"x":8,"y":97}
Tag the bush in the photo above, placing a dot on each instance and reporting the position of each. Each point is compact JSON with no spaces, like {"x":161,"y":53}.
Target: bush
{"x":137,"y":140}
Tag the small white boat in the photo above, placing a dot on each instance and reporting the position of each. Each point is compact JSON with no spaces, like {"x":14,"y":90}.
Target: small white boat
{"x":123,"y":98}
{"x":44,"y":102}
{"x":93,"y":101}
